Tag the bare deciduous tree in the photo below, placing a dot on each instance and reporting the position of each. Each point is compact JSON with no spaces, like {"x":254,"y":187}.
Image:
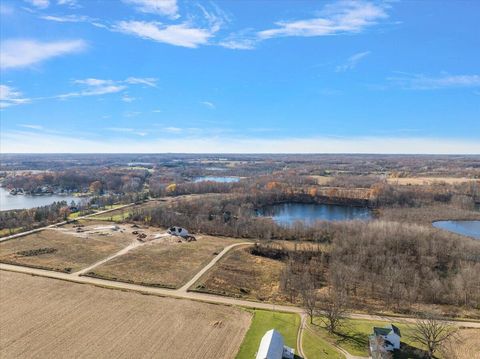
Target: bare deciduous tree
{"x":432,"y":333}
{"x":332,"y":310}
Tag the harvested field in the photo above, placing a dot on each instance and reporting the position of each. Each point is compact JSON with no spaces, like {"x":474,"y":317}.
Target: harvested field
{"x":418,"y":181}
{"x":64,"y":249}
{"x":165,"y":262}
{"x":243,"y":275}
{"x":467,"y":347}
{"x":47,"y":318}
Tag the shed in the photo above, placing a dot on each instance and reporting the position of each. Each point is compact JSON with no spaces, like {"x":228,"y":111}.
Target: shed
{"x":272,"y":347}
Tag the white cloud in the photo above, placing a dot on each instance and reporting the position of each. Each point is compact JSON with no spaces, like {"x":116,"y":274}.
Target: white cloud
{"x":173,"y":129}
{"x":41,"y":4}
{"x":69,"y":3}
{"x":11,"y":97}
{"x":208,"y":104}
{"x":180,"y":35}
{"x":66,"y":18}
{"x":34,"y":142}
{"x":422,"y":82}
{"x":342,"y":17}
{"x":352,"y":61}
{"x":149,"y":81}
{"x":94,"y":87}
{"x":126,"y":98}
{"x":24,"y":53}
{"x":33,"y":127}
{"x":159,"y":7}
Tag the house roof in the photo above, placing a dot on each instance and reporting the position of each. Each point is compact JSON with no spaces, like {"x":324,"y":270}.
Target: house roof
{"x":381,"y":331}
{"x":271,"y":346}
{"x":396,"y":330}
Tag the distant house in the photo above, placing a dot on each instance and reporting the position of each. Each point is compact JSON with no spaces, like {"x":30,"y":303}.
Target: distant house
{"x":384,"y":340}
{"x":178,"y":231}
{"x":272,"y":347}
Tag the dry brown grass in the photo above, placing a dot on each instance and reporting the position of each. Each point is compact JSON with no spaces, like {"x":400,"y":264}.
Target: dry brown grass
{"x":72,"y":251}
{"x":163,"y":264}
{"x":243,"y":275}
{"x":465,"y":346}
{"x":47,"y":318}
{"x":419,"y":181}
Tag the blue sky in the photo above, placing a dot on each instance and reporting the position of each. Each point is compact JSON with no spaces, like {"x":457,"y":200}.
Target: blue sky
{"x":240,"y":76}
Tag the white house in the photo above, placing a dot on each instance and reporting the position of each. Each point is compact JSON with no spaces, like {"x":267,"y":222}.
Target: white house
{"x":272,"y":347}
{"x":178,"y":231}
{"x":390,"y":336}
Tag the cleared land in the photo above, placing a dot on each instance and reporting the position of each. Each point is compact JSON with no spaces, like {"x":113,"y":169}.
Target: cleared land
{"x":418,"y":181}
{"x":47,"y":318}
{"x":164,"y":262}
{"x":242,"y":275}
{"x":263,"y":320}
{"x":64,"y":249}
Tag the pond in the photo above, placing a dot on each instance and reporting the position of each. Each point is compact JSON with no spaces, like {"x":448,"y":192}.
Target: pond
{"x":465,"y":228}
{"x":8,"y":201}
{"x":287,"y":214}
{"x":217,"y":179}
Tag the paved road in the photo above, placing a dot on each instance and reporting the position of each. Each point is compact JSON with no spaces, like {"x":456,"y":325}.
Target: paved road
{"x":21,"y":234}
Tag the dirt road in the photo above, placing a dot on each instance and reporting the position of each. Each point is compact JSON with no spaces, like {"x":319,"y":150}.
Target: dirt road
{"x":209,"y":298}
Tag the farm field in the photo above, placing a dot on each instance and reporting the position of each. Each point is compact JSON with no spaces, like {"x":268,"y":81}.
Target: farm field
{"x":242,"y":275}
{"x":418,"y":181}
{"x":64,"y":249}
{"x":72,"y":320}
{"x":164,"y":262}
{"x":263,"y":320}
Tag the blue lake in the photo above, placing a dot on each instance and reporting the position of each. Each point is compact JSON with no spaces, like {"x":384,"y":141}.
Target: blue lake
{"x":465,"y":228}
{"x":217,"y":179}
{"x":8,"y":201}
{"x":287,"y":214}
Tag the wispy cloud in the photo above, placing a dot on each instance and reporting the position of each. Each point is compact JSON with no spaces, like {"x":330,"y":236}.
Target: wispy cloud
{"x":149,"y":81}
{"x":25,"y":53}
{"x":208,"y":104}
{"x":94,"y":86}
{"x":67,"y":18}
{"x":40,"y":4}
{"x":33,"y":127}
{"x":184,"y":34}
{"x":11,"y":97}
{"x":352,"y":61}
{"x":159,"y":7}
{"x":341,"y":17}
{"x":422,"y":82}
{"x":127,"y":130}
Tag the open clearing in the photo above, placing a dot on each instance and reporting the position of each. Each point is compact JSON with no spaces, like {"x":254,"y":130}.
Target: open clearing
{"x":48,"y":318}
{"x":67,"y":248}
{"x":242,"y":275}
{"x":418,"y":181}
{"x":165,"y":262}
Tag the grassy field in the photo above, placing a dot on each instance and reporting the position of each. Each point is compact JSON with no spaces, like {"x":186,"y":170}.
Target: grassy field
{"x":62,"y":249}
{"x":316,"y":347}
{"x":163,"y":264}
{"x":417,"y":181}
{"x":47,"y":318}
{"x":354,"y":339}
{"x":286,"y":323}
{"x":243,"y":275}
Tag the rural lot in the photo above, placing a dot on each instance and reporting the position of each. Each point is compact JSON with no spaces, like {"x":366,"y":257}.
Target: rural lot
{"x":44,"y":317}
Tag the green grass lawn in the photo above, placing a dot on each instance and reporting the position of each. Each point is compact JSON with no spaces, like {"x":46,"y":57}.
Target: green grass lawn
{"x":315,"y":347}
{"x":353,"y":337}
{"x":263,"y":320}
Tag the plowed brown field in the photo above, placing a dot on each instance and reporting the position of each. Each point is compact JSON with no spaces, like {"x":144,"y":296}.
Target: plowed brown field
{"x":48,"y":318}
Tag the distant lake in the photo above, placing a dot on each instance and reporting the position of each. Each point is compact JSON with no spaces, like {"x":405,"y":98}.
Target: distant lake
{"x":9,"y":201}
{"x":217,"y":179}
{"x":465,"y":228}
{"x":288,"y":213}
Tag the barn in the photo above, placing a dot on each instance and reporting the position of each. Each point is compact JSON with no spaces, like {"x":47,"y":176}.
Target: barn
{"x":272,"y":347}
